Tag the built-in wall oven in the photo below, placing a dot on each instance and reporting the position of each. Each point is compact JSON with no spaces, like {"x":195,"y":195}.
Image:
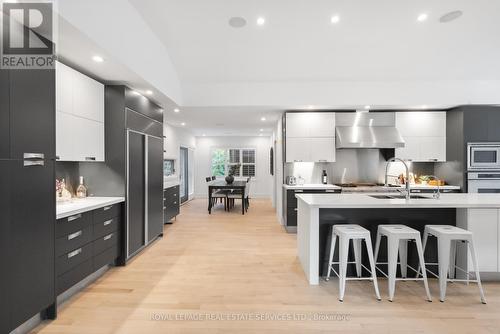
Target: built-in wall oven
{"x":484,"y":182}
{"x":483,"y":156}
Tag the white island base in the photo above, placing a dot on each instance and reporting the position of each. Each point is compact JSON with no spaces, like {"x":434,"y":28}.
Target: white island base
{"x":479,"y":213}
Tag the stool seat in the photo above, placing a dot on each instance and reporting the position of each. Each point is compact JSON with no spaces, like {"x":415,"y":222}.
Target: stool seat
{"x":401,"y":231}
{"x":447,"y":230}
{"x":351,"y":230}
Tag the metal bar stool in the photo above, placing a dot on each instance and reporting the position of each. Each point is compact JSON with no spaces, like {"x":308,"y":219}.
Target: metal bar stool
{"x":346,"y":233}
{"x":397,"y":238}
{"x":447,"y":238}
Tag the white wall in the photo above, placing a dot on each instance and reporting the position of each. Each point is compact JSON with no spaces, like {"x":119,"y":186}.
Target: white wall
{"x":262,"y":183}
{"x":175,"y":138}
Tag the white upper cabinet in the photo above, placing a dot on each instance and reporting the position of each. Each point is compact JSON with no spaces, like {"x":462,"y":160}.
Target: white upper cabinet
{"x":310,"y":137}
{"x":310,"y":124}
{"x":424,"y":134}
{"x":79,"y":116}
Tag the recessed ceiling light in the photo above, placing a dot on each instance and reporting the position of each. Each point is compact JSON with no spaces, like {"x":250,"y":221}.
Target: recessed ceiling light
{"x":149,"y":92}
{"x":136,"y":92}
{"x":260,"y":134}
{"x":176,"y":110}
{"x":335,"y":19}
{"x":262,"y":119}
{"x":451,"y":16}
{"x":237,"y":22}
{"x":422,"y":17}
{"x":261,"y":130}
{"x":261,"y":21}
{"x":424,"y":106}
{"x":367,"y":107}
{"x":183,"y":124}
{"x":311,"y":107}
{"x":204,"y":135}
{"x":98,"y":59}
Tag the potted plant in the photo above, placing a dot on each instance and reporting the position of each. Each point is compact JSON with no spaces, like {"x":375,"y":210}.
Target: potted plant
{"x":232,"y":171}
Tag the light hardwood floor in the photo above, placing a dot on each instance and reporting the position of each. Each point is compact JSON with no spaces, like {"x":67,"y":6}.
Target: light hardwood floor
{"x":226,"y":263}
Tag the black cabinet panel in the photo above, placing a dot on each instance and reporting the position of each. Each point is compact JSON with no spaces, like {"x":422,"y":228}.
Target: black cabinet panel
{"x":136,"y":193}
{"x":32,"y":112}
{"x":155,"y":187}
{"x":73,"y":241}
{"x":143,"y":105}
{"x":106,"y":257}
{"x":32,"y":233}
{"x":103,"y":228}
{"x":73,"y":276}
{"x":105,"y":242}
{"x":70,"y":260}
{"x":4,"y":115}
{"x":106,"y":213}
{"x":494,"y":125}
{"x":138,"y":122}
{"x":4,"y":244}
{"x":74,"y":223}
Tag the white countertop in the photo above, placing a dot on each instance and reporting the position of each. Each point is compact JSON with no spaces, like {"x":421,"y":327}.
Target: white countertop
{"x":171,"y":183}
{"x":421,"y":186}
{"x":356,"y":200}
{"x":312,"y":186}
{"x":76,"y":206}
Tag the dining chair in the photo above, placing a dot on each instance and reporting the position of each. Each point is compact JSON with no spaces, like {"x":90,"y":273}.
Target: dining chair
{"x":236,"y":194}
{"x":220,"y":195}
{"x":213,"y":177}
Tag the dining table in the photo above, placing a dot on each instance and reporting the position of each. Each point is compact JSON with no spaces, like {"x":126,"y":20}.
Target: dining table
{"x":223,"y":185}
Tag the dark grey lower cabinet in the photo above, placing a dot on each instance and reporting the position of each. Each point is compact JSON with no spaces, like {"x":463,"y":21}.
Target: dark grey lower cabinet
{"x":171,"y":203}
{"x":136,"y":197}
{"x":85,"y":243}
{"x":4,"y":246}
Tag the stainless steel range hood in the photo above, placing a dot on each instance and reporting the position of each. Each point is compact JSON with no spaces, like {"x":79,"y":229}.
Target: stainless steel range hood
{"x":367,"y":130}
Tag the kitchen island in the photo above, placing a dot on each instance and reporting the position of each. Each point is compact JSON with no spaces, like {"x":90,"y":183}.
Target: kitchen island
{"x":477,"y":212}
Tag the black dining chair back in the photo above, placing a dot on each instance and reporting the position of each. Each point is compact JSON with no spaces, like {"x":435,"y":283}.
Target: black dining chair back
{"x":208,"y":179}
{"x":213,"y":177}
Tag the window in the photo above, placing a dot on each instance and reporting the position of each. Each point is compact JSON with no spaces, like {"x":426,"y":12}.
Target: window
{"x":168,"y":167}
{"x":223,"y":159}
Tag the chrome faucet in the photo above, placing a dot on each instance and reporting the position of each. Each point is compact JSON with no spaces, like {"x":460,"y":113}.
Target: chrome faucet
{"x":407,"y":192}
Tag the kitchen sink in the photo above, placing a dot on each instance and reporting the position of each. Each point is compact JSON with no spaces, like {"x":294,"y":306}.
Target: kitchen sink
{"x":399,"y":197}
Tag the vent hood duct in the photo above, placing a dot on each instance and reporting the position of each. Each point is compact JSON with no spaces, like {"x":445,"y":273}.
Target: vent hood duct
{"x":368,"y":130}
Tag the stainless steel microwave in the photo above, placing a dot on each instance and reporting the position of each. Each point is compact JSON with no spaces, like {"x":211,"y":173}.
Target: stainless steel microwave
{"x":483,"y":156}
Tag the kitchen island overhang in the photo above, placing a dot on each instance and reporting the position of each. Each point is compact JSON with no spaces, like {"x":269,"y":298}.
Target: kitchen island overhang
{"x":449,"y":209}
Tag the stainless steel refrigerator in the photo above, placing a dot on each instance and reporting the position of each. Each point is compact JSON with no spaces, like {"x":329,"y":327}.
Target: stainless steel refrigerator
{"x":144,"y":190}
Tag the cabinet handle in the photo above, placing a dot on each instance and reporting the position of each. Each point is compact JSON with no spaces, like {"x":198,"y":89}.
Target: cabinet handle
{"x":106,"y":208}
{"x":58,"y":157}
{"x":434,"y":159}
{"x":75,"y":235}
{"x":299,"y":191}
{"x":330,"y":191}
{"x":175,"y":202}
{"x":74,"y":253}
{"x":109,"y":236}
{"x":322,"y":160}
{"x":295,"y":209}
{"x":35,"y":156}
{"x":297,"y":161}
{"x":164,"y":208}
{"x":175,"y":195}
{"x":107,"y":222}
{"x":75,"y":217}
{"x":164,"y":199}
{"x":90,"y":158}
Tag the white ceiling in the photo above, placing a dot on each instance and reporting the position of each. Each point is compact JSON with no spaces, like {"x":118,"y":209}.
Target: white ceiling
{"x":225,"y":121}
{"x":377,"y":54}
{"x":374,"y":40}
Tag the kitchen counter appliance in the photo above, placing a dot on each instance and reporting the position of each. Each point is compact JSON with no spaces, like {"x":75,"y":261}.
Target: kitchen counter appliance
{"x":483,"y":156}
{"x":484,"y":182}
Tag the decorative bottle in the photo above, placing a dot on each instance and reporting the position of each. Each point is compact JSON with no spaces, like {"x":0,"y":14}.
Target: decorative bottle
{"x":324,"y":177}
{"x":81,"y":191}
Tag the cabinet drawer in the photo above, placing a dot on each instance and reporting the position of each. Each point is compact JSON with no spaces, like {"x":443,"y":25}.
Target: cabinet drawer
{"x":291,"y":217}
{"x":106,"y":213}
{"x":106,"y":227}
{"x":172,"y":191}
{"x":72,"y":259}
{"x":291,"y":201}
{"x":106,"y":257}
{"x":105,"y":242}
{"x":73,"y":276}
{"x":74,"y":240}
{"x":71,"y":224}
